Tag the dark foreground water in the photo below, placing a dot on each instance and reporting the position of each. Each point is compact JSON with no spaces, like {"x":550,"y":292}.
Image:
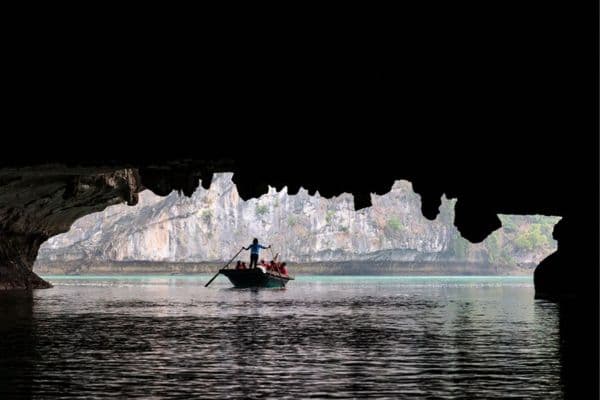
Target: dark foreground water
{"x":323,"y":337}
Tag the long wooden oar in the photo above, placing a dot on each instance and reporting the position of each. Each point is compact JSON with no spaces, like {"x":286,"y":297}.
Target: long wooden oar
{"x":225,"y":266}
{"x":274,"y":258}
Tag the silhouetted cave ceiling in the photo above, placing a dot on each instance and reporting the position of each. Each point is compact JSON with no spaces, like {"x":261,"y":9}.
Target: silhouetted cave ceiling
{"x":494,"y":108}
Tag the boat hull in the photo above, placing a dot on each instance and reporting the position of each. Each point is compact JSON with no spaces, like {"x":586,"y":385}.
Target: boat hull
{"x":256,"y":277}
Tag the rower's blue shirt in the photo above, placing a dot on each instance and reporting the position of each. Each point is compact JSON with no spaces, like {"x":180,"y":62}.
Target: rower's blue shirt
{"x":254,"y":248}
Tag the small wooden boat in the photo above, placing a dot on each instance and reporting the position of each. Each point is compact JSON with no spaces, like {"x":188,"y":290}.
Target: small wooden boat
{"x":256,"y":277}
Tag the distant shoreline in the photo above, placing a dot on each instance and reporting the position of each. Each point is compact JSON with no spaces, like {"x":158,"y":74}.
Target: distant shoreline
{"x":417,"y":268}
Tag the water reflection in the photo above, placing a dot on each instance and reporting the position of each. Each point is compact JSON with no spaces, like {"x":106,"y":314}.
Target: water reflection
{"x":345,"y":337}
{"x":578,"y":349}
{"x":17,"y":344}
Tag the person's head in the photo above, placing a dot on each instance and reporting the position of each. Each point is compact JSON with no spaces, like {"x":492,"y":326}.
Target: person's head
{"x":255,"y":241}
{"x":283,"y":264}
{"x":239,"y":263}
{"x":262,"y":261}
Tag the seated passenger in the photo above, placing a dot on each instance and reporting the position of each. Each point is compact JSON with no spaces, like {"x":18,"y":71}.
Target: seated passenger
{"x":238,"y":265}
{"x":282,"y":269}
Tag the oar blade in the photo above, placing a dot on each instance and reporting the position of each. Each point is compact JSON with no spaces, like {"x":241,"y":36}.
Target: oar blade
{"x":213,"y":278}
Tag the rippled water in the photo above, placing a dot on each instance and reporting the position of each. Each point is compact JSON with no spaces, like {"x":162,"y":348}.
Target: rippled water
{"x":323,"y":337}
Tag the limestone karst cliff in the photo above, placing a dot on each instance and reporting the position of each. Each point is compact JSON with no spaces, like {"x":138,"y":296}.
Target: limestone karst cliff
{"x":213,"y":224}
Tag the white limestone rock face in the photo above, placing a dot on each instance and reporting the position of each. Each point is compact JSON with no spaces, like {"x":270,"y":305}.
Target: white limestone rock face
{"x":213,"y":224}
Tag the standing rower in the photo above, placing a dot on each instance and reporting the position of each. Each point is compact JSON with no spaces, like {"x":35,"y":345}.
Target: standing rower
{"x":254,"y":249}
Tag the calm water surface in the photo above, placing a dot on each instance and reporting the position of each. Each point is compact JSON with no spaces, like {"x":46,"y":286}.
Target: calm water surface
{"x":322,"y":337}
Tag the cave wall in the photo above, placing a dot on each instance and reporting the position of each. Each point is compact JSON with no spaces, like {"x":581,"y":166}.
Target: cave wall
{"x":38,"y":203}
